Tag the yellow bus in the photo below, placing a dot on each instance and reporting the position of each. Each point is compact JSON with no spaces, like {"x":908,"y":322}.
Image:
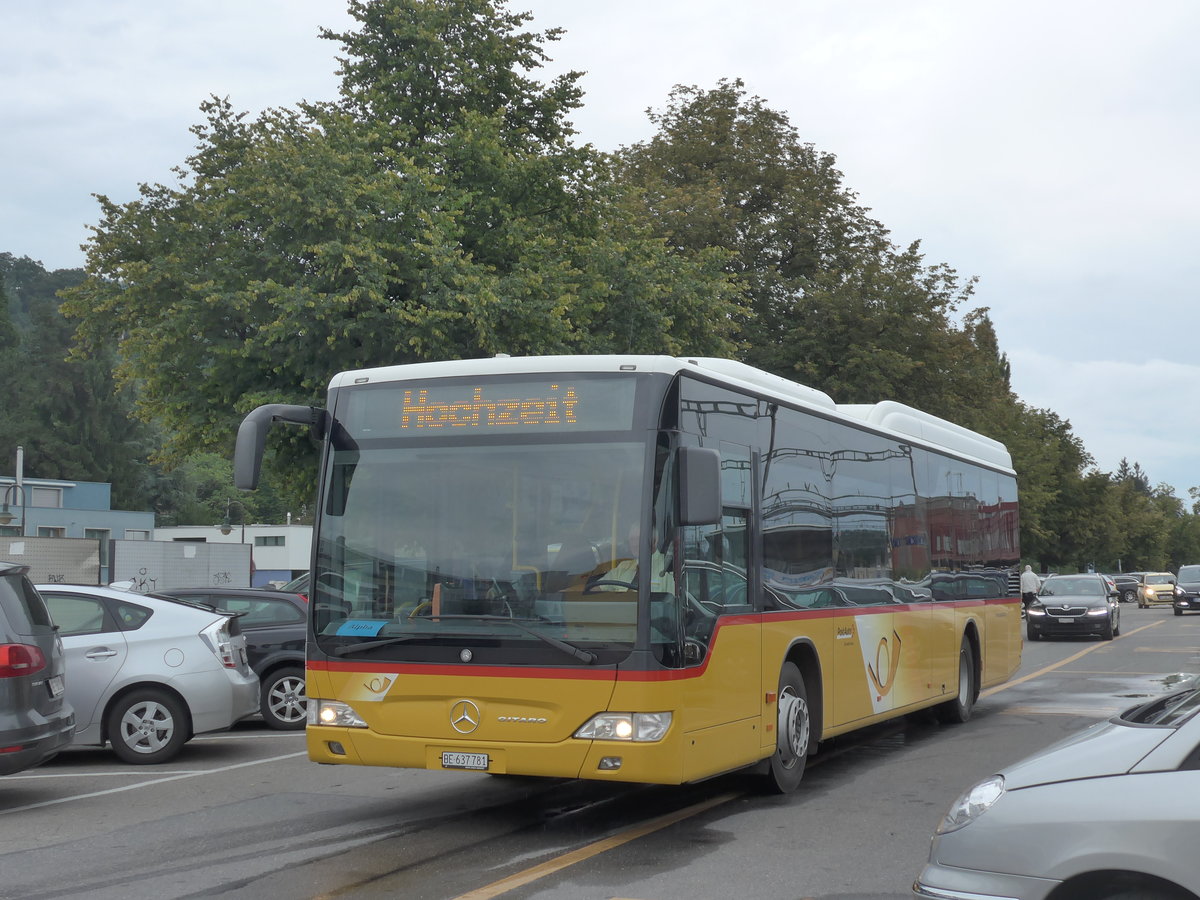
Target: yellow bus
{"x":639,"y":568}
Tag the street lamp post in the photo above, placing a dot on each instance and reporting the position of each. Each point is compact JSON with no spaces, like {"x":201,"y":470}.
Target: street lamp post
{"x":17,"y":492}
{"x":227,"y":528}
{"x":227,"y":525}
{"x":16,"y":489}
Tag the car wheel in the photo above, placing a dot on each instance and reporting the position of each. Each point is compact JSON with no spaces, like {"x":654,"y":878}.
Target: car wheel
{"x":282,"y":700}
{"x":147,"y":726}
{"x":1178,"y":611}
{"x":960,"y":708}
{"x":1128,"y":597}
{"x":1108,"y":631}
{"x":793,"y":732}
{"x":1032,"y":634}
{"x":1117,"y":622}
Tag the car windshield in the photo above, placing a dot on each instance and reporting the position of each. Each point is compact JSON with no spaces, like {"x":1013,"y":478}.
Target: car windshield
{"x":1189,"y":573}
{"x":1172,"y":709}
{"x":1158,"y":579}
{"x":1065,"y":586}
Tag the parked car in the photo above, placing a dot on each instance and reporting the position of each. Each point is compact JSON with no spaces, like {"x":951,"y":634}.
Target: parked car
{"x":1157,"y":587}
{"x":274,"y":623}
{"x":1074,"y":605}
{"x":1109,"y":813}
{"x":1127,"y":586}
{"x":36,"y":718}
{"x":147,"y":673}
{"x":1187,"y":589}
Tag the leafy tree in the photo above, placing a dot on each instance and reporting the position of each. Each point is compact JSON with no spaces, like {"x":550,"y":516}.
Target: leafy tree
{"x":437,"y":211}
{"x":833,"y":302}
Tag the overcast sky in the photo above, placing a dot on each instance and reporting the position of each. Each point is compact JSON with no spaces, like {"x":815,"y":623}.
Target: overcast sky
{"x":1049,"y":148}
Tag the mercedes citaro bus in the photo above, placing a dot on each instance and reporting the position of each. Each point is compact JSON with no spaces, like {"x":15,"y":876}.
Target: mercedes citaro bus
{"x":639,"y":568}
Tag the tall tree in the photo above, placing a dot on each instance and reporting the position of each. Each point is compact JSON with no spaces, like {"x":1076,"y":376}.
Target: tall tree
{"x":66,"y":413}
{"x":438,"y":210}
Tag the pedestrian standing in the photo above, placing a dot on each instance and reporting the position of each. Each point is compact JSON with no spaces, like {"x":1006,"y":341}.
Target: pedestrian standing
{"x":1029,"y":588}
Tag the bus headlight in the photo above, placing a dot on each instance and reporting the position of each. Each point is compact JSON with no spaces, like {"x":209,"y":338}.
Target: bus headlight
{"x":625,"y":727}
{"x":333,"y":712}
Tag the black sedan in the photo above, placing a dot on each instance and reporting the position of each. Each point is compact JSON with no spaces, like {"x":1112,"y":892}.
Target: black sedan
{"x":274,"y":623}
{"x":1074,"y":605}
{"x":1187,"y":590}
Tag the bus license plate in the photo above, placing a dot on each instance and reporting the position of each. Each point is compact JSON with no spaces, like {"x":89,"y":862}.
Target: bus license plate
{"x":55,"y":683}
{"x":1066,"y":621}
{"x":464,"y":761}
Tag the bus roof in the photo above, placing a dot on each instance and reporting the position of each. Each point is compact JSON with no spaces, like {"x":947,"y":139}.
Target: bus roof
{"x":887,"y":416}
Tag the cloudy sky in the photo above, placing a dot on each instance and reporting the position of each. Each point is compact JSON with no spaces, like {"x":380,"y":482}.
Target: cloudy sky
{"x":1051,"y":149}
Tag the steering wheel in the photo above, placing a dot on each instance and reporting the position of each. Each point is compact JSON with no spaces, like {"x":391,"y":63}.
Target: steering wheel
{"x":591,"y":587}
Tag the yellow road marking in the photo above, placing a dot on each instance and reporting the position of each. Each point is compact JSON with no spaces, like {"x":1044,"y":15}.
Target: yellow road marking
{"x":520,"y":879}
{"x":1166,"y":649}
{"x":1092,"y":712}
{"x":1062,"y":662}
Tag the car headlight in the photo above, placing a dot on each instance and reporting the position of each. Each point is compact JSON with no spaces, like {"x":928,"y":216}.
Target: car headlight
{"x":1098,"y":611}
{"x":1035,"y":609}
{"x":333,"y":712}
{"x":1179,"y":592}
{"x":972,"y":804}
{"x":625,"y":727}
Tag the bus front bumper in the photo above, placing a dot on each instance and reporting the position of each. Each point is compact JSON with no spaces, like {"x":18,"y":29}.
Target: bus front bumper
{"x":651,"y":763}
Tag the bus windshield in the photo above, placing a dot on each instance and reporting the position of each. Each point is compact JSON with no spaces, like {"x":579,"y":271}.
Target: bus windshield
{"x":491,"y":545}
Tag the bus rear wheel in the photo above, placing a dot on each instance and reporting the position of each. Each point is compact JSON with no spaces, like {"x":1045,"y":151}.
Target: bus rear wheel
{"x":960,"y":708}
{"x":793,"y":732}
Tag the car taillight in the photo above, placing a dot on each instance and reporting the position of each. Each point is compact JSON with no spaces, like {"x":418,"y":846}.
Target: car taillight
{"x":220,"y":642}
{"x":17,"y":660}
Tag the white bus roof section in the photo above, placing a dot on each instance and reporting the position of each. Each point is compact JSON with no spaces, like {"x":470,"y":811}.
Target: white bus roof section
{"x":886,"y":416}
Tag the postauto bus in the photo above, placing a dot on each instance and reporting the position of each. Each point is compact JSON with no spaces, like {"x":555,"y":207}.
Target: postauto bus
{"x":639,"y":568}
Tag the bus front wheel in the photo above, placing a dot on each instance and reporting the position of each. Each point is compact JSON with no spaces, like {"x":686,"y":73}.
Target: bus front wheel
{"x":793,"y":729}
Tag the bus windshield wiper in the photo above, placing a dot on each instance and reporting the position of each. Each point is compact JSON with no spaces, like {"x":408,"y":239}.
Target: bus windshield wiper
{"x":371,"y":645}
{"x":570,"y":649}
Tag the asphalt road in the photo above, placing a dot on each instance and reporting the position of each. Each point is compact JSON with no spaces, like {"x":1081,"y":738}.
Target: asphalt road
{"x":246,"y":815}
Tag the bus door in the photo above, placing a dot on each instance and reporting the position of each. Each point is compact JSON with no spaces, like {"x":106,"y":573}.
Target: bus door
{"x":722,"y":688}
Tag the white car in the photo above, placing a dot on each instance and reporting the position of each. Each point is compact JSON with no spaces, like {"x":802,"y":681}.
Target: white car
{"x":146,"y":674}
{"x":1109,"y":814}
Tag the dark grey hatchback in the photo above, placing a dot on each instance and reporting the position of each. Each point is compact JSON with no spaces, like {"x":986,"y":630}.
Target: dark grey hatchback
{"x":35,"y":719}
{"x":1074,"y":605}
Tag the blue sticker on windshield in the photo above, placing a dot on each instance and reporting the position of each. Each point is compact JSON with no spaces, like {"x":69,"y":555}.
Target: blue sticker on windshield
{"x":364,"y":627}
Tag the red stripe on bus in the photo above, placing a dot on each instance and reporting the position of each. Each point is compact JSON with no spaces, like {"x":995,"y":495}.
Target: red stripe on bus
{"x":605,"y":674}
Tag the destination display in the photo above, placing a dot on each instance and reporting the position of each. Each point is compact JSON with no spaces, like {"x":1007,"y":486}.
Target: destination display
{"x":586,"y":403}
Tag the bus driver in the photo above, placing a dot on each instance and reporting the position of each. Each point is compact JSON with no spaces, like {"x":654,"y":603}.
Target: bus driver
{"x":623,"y":575}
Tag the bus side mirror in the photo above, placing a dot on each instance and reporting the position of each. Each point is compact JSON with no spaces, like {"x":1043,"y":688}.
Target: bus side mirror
{"x":699,"y":486}
{"x":252,"y":437}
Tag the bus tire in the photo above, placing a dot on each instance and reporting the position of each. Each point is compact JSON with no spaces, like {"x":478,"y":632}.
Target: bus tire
{"x":793,"y":732}
{"x":959,"y":709}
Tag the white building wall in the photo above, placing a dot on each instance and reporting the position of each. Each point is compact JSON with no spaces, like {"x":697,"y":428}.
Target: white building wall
{"x":273,"y":561}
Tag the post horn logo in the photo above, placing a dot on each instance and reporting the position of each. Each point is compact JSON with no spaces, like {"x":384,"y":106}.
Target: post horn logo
{"x":885,"y":658}
{"x":464,"y":716}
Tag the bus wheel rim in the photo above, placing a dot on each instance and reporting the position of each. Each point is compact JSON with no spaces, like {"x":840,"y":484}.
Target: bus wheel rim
{"x":793,"y":727}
